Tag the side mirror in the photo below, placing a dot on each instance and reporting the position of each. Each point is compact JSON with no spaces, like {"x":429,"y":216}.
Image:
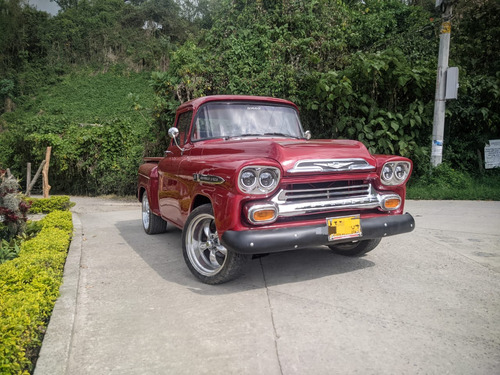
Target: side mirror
{"x":307,"y":134}
{"x":174,"y":133}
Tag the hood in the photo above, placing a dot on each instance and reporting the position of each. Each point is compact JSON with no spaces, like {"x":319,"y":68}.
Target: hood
{"x":288,"y":152}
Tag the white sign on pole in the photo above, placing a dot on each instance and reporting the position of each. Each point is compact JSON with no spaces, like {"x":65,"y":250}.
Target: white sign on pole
{"x":451,"y":83}
{"x":492,"y":154}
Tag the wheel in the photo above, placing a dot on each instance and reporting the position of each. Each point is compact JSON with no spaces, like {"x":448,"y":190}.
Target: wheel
{"x":355,"y":248}
{"x":151,"y":223}
{"x":205,"y":257}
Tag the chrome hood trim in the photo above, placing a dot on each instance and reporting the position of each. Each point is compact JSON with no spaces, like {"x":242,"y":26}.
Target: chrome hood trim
{"x":331,"y":165}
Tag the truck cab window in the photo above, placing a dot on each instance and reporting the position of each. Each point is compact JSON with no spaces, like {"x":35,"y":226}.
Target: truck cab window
{"x":183,"y":123}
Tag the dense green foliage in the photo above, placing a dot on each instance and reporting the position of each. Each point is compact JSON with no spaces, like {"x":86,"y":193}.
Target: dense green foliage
{"x":97,"y":33}
{"x":97,"y":137}
{"x":362,"y":70}
{"x":29,"y":287}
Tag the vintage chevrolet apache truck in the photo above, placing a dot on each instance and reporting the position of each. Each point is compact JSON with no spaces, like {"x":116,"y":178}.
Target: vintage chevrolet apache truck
{"x":241,"y":178}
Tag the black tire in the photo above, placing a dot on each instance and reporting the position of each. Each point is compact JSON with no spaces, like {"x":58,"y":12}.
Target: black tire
{"x":205,"y":257}
{"x":151,"y":223}
{"x":355,"y":248}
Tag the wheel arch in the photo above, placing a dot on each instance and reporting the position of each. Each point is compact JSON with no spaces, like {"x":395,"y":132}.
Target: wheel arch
{"x":140,"y":193}
{"x":200,"y":200}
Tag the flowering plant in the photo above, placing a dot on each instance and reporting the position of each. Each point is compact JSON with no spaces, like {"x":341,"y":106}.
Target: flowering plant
{"x":13,"y":210}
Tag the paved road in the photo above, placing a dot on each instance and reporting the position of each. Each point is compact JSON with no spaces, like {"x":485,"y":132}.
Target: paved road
{"x":423,"y":303}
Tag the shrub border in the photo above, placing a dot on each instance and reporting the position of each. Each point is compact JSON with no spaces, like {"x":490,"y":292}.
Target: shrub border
{"x":30,"y":289}
{"x":55,"y":352}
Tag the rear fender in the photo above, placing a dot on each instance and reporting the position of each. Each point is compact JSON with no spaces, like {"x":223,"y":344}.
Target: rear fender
{"x":148,"y":182}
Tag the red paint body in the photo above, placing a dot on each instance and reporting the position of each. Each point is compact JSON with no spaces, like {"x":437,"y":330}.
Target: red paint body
{"x":173,"y":191}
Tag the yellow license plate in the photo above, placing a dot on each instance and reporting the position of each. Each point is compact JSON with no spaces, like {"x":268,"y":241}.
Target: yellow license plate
{"x":343,"y":227}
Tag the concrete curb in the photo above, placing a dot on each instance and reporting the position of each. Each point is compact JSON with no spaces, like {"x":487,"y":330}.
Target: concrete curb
{"x":54,"y":354}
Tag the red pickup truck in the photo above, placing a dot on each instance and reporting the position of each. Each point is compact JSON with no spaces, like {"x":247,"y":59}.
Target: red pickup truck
{"x":242,"y":178}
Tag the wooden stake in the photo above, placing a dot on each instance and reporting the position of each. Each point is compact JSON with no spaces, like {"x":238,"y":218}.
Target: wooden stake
{"x":33,"y":181}
{"x":45,"y":173}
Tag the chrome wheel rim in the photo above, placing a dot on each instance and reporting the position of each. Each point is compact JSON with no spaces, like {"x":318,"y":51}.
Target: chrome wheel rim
{"x":203,"y":248}
{"x":145,"y":211}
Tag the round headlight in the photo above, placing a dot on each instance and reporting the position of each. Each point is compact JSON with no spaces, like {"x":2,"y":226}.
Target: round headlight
{"x":400,"y":172}
{"x":387,"y":172}
{"x":248,"y":179}
{"x":266,"y":178}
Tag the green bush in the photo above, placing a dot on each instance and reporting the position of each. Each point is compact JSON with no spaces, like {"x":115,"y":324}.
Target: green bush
{"x":446,"y":177}
{"x":445,"y":182}
{"x":29,"y":287}
{"x":87,"y":159}
{"x":9,"y":250}
{"x":58,"y":219}
{"x":45,"y":205}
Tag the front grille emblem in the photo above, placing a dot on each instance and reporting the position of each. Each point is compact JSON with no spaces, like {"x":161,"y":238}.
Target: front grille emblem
{"x":335,"y":165}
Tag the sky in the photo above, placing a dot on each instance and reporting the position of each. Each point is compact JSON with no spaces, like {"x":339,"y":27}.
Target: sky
{"x":45,"y":5}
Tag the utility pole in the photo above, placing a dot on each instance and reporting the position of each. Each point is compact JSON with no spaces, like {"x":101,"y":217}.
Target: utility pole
{"x":446,"y":7}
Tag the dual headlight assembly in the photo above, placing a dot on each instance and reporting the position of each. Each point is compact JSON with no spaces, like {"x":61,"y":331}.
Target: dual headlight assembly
{"x":395,"y":173}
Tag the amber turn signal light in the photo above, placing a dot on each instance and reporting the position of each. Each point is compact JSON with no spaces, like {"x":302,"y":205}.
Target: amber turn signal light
{"x":260,"y":214}
{"x":392,"y":203}
{"x":264,"y":215}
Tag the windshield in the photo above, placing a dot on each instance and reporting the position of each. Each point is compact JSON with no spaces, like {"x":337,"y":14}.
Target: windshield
{"x":226,"y":120}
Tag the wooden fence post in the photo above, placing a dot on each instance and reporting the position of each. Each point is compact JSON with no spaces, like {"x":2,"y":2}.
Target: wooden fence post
{"x":45,"y":173}
{"x":35,"y":178}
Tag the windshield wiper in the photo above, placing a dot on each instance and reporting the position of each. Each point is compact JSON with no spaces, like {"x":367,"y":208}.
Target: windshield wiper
{"x":263,"y":135}
{"x":281,"y":135}
{"x":247,"y":135}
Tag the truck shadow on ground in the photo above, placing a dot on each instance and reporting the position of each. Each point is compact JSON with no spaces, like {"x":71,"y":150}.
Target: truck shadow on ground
{"x":163,"y":253}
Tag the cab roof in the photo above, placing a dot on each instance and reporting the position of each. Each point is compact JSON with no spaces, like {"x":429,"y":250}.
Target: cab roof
{"x":196,"y":103}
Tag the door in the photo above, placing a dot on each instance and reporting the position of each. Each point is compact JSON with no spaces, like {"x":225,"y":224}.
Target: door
{"x":170,"y":186}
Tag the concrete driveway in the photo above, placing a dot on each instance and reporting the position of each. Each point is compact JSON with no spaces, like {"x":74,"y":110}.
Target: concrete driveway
{"x":427,"y":302}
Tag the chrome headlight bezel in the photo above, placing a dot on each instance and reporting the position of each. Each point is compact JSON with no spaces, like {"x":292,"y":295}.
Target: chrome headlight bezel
{"x":395,"y":173}
{"x":266,"y":179}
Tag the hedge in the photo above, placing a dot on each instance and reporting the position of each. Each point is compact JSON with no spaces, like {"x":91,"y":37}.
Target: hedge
{"x":44,"y":205}
{"x":29,"y":287}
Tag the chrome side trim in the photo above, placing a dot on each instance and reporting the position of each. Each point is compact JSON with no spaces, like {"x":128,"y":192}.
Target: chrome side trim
{"x":331,"y":165}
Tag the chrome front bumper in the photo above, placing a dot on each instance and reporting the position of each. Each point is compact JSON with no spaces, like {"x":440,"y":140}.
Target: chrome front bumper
{"x":261,"y":241}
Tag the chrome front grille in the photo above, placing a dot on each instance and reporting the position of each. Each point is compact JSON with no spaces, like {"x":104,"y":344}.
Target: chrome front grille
{"x":302,"y":193}
{"x":302,"y":199}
